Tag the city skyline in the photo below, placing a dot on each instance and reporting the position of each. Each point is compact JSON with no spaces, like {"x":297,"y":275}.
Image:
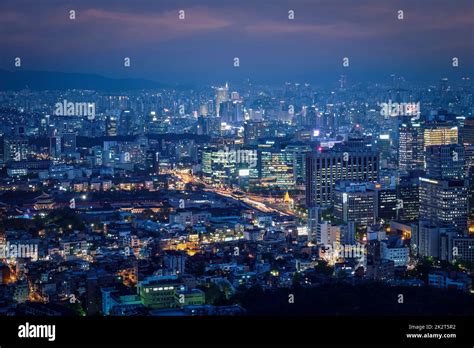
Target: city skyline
{"x":307,"y":162}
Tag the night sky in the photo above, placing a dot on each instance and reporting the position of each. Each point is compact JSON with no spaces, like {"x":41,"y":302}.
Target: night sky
{"x":271,"y":48}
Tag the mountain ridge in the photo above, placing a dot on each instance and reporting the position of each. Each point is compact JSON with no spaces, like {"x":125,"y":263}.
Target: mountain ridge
{"x":54,"y":80}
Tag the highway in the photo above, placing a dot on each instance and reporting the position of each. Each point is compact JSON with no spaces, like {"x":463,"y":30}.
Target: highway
{"x":257,"y":202}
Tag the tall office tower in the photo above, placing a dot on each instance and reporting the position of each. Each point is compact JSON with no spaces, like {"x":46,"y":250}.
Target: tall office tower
{"x":348,"y":233}
{"x":152,"y":162}
{"x":237,"y":111}
{"x":325,"y":168}
{"x":253,"y":130}
{"x":44,"y":125}
{"x":155,"y":124}
{"x":226,"y":111}
{"x":209,"y":125}
{"x":384,"y":146}
{"x":308,"y":117}
{"x":127,"y":124}
{"x":385,"y":201}
{"x":444,"y":202}
{"x":445,"y":161}
{"x":276,"y":168}
{"x":299,"y":151}
{"x":353,"y":202}
{"x":439,"y":134}
{"x":231,"y":111}
{"x":15,"y":148}
{"x":408,"y":196}
{"x":68,"y":142}
{"x":464,"y":247}
{"x":221,"y":96}
{"x":111,"y":126}
{"x":314,"y":218}
{"x":410,"y":147}
{"x":469,"y":158}
{"x":203,"y":110}
{"x":217,"y":168}
{"x":55,"y":145}
{"x":468,"y":132}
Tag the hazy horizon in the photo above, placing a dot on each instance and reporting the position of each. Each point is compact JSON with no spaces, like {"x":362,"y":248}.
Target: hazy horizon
{"x":200,"y":49}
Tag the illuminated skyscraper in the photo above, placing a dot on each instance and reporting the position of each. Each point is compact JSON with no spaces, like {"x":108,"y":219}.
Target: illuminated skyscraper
{"x":325,"y":168}
{"x":410,"y":147}
{"x":15,"y":149}
{"x":221,"y":96}
{"x":299,"y":152}
{"x":408,"y":196}
{"x":111,"y":126}
{"x":468,"y":132}
{"x":444,"y":202}
{"x":354,"y":203}
{"x":155,"y":124}
{"x":276,"y":168}
{"x":440,"y":135}
{"x":127,"y":124}
{"x":445,"y":161}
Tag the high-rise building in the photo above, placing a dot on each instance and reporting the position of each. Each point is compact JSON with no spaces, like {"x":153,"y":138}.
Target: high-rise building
{"x":468,"y":132}
{"x":221,"y":96}
{"x":226,"y":111}
{"x":314,"y":218}
{"x":408,"y":196}
{"x":410,"y":146}
{"x":231,"y":111}
{"x":254,"y":130}
{"x":385,"y":201}
{"x":15,"y":148}
{"x":209,"y":125}
{"x":216,"y":168}
{"x":325,"y":168}
{"x":111,"y":126}
{"x":276,"y":168}
{"x":445,"y":162}
{"x":55,"y":145}
{"x":155,"y":124}
{"x":203,"y":110}
{"x":299,"y":152}
{"x":224,"y":165}
{"x":463,"y":249}
{"x":68,"y":143}
{"x":354,"y":202}
{"x":153,"y":161}
{"x":436,"y":134}
{"x":127,"y":124}
{"x":444,"y":202}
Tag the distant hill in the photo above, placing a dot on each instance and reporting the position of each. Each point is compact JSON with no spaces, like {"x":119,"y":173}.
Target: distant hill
{"x":49,"y":80}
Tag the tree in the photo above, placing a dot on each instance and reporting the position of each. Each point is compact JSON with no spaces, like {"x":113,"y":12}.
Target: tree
{"x":323,"y":267}
{"x":296,"y":280}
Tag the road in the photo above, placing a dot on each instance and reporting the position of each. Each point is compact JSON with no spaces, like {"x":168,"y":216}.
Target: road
{"x":257,"y":202}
